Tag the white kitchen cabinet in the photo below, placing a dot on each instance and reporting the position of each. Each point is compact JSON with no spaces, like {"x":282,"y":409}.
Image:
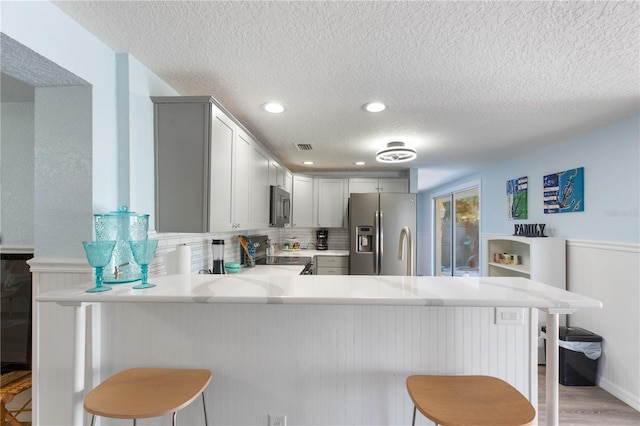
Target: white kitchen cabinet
{"x":393,"y":185}
{"x":279,"y":176}
{"x":222,"y":136}
{"x":276,"y":174}
{"x":302,"y":200}
{"x":288,"y":181}
{"x":332,"y":265}
{"x":243,"y":153}
{"x":367,"y":185}
{"x":260,"y":181}
{"x":332,"y":203}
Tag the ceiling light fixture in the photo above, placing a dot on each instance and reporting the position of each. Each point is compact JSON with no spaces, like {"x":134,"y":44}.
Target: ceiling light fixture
{"x":359,"y":163}
{"x":273,"y":107}
{"x":396,"y":152}
{"x":375,"y":107}
{"x":308,"y":163}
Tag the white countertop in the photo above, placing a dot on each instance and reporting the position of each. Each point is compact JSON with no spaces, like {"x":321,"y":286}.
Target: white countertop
{"x":335,"y":290}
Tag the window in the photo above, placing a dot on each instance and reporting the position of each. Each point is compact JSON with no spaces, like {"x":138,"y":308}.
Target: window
{"x":457,"y":232}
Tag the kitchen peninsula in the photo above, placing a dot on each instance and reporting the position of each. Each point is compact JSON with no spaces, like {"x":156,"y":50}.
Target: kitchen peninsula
{"x":319,"y":349}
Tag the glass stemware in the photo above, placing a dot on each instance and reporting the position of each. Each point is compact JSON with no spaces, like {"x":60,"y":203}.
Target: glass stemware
{"x":98,"y":255}
{"x":143,"y":253}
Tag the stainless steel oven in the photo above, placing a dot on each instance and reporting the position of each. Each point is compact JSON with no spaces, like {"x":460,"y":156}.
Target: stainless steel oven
{"x":280,"y":214}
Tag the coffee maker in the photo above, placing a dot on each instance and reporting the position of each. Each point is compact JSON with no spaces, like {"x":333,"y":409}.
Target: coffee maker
{"x":218,"y":256}
{"x":322,"y":236}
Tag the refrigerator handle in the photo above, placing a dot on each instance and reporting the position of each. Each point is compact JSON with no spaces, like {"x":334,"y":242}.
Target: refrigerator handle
{"x":376,"y":244}
{"x":381,"y":242}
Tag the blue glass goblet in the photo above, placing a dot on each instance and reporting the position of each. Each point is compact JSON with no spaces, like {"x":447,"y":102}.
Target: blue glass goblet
{"x":98,"y":256}
{"x":143,"y":253}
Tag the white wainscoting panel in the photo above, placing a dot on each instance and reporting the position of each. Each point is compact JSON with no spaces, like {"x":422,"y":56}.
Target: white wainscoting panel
{"x":52,"y":340}
{"x":610,"y":272}
{"x":319,"y":365}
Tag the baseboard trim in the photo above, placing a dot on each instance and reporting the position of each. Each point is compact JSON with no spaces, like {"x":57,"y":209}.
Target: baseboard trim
{"x":624,"y":396}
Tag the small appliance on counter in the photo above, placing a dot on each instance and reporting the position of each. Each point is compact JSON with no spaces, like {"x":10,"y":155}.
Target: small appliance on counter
{"x":218,"y":256}
{"x":322,"y":238}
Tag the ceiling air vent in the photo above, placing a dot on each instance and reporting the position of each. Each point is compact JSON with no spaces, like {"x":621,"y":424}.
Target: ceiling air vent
{"x":304,"y":147}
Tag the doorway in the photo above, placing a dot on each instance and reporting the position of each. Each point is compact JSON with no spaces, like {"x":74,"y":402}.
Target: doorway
{"x":457,"y":232}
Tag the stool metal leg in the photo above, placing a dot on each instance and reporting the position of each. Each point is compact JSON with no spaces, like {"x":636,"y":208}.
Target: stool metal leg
{"x":413,"y":422}
{"x":204,"y":407}
{"x":93,"y":420}
{"x":175,"y":415}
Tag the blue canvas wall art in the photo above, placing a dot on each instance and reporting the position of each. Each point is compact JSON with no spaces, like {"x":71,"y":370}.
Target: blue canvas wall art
{"x":517,"y":190}
{"x":564,"y":191}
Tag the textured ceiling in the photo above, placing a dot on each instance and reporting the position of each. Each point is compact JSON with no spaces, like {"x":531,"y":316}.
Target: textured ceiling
{"x":467,"y":84}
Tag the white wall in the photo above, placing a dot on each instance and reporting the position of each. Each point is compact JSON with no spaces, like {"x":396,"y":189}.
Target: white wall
{"x":137,"y":134}
{"x":16,"y":173}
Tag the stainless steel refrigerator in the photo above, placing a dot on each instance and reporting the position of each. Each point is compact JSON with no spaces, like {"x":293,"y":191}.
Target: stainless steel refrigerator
{"x":382,"y":227}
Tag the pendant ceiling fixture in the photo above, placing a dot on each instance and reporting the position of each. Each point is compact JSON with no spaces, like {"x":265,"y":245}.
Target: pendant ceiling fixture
{"x":396,"y":152}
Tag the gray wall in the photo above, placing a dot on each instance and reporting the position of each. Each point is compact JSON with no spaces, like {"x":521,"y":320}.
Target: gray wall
{"x":16,"y":173}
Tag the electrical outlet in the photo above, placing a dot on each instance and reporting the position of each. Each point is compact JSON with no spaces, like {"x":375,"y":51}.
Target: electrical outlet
{"x":510,"y":316}
{"x":277,"y":420}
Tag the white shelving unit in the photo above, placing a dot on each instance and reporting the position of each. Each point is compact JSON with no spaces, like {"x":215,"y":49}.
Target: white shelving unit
{"x":542,"y":259}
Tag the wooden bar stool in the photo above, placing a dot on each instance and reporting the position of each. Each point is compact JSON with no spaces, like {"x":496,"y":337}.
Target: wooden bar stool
{"x":469,"y":400}
{"x":140,"y":393}
{"x":13,"y":383}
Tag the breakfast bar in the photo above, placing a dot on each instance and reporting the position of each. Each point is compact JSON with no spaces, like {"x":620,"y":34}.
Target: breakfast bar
{"x":415,"y":304}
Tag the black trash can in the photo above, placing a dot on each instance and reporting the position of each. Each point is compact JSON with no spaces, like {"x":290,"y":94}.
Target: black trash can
{"x":578,"y":348}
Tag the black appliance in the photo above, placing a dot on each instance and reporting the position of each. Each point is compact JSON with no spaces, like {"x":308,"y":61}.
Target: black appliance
{"x":217,"y":247}
{"x":15,"y":346}
{"x":280,"y":212}
{"x":322,"y":236}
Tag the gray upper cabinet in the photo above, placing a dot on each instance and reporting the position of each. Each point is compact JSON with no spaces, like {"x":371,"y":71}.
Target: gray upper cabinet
{"x":182,"y":131}
{"x":203,"y":167}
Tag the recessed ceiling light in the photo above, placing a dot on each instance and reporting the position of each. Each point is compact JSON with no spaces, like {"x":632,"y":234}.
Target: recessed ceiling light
{"x":308,"y":163}
{"x":375,"y":107}
{"x":359,"y":163}
{"x":273,"y":107}
{"x":396,"y":152}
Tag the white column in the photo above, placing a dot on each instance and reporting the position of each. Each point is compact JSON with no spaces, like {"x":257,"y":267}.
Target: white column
{"x":79,"y":338}
{"x":552,"y":369}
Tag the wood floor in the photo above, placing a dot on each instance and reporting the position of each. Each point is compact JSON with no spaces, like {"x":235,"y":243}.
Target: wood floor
{"x":586,"y":405}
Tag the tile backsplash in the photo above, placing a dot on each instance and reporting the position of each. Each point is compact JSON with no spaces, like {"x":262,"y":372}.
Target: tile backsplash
{"x":200,"y":244}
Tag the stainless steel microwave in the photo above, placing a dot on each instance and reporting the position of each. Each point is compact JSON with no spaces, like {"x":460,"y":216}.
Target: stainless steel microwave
{"x":280,"y":207}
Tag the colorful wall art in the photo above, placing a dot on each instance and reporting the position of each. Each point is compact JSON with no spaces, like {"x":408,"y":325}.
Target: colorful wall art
{"x":564,"y":191}
{"x":517,"y":190}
